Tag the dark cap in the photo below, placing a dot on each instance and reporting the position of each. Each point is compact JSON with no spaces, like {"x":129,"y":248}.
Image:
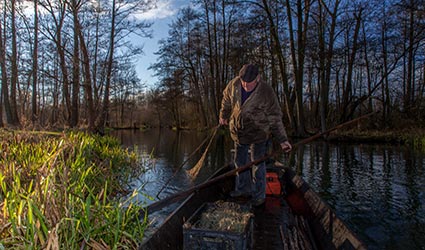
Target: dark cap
{"x":248,"y":73}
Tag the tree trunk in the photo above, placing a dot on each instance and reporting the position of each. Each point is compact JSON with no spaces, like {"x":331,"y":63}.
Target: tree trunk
{"x":217,"y":80}
{"x":87,"y":79}
{"x":75,"y":69}
{"x":297,"y":55}
{"x":223,"y":57}
{"x":385,"y":87}
{"x":4,"y":98}
{"x":62,"y":62}
{"x":103,"y":121}
{"x":327,"y":63}
{"x":324,"y":85}
{"x":35,"y":65}
{"x":55,"y":95}
{"x":209,"y":80}
{"x":96,"y":95}
{"x":348,"y":95}
{"x":14,"y":119}
{"x":282,"y":65}
{"x":408,"y":98}
{"x":198,"y":97}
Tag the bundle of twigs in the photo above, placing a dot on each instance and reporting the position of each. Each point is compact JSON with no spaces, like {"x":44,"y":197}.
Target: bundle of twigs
{"x":224,"y":216}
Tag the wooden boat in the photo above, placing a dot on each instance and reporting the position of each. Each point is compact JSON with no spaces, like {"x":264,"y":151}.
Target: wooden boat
{"x":296,"y":218}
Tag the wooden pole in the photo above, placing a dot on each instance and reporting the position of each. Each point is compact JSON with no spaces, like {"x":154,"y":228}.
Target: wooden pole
{"x":314,"y":137}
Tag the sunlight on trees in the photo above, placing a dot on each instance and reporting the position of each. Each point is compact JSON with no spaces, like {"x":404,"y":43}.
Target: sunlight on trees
{"x":59,"y":59}
{"x":67,"y":63}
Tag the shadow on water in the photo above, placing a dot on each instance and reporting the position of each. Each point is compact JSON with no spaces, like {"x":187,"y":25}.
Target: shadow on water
{"x":378,"y":190}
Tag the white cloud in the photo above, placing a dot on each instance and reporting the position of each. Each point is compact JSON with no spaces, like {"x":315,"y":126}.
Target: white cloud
{"x":163,"y":9}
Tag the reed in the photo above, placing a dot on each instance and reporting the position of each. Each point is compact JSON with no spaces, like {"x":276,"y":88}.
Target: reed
{"x":67,"y":191}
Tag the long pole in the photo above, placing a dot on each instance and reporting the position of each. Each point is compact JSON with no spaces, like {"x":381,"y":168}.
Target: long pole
{"x":314,"y":137}
{"x":178,"y":196}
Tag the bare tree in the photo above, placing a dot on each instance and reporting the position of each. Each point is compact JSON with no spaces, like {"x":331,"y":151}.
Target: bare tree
{"x":4,"y":95}
{"x":88,"y":92}
{"x":103,"y":119}
{"x":278,"y":51}
{"x":53,"y":30}
{"x":326,"y":54}
{"x":347,"y":95}
{"x":14,"y":119}
{"x":35,"y":65}
{"x":75,"y":6}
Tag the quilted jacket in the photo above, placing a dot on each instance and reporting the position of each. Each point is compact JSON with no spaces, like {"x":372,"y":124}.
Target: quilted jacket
{"x":257,"y":118}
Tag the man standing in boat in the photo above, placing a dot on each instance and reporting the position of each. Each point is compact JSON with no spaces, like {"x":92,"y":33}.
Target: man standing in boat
{"x":251,"y":109}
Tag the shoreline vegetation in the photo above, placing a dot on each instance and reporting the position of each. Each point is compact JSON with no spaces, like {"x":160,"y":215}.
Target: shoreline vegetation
{"x":411,"y":137}
{"x":414,"y":137}
{"x":67,"y":191}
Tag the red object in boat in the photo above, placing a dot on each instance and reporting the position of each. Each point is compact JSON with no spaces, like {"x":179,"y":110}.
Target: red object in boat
{"x":273,"y":186}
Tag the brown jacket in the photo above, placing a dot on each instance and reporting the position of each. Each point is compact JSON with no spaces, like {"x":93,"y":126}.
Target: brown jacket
{"x":255,"y":120}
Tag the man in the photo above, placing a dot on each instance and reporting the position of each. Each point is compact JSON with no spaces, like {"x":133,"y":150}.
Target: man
{"x":251,"y":109}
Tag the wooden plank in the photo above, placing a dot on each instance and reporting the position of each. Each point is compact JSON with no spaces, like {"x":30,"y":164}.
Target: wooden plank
{"x":326,"y":225}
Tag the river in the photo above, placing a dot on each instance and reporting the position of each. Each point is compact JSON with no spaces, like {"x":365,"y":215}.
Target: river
{"x":377,"y":189}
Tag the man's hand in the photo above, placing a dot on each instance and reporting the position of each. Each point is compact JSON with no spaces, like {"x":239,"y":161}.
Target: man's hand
{"x":223,"y":121}
{"x":286,"y":146}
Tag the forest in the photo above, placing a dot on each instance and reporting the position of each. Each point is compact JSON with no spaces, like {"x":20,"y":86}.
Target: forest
{"x":71,"y":63}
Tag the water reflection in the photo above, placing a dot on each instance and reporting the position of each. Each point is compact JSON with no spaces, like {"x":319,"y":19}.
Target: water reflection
{"x":170,"y":150}
{"x":378,"y":190}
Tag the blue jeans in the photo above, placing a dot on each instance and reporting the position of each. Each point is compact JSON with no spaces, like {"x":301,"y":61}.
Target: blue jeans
{"x":245,"y":153}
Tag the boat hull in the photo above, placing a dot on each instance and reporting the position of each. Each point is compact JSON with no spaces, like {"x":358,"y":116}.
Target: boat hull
{"x":274,"y":221}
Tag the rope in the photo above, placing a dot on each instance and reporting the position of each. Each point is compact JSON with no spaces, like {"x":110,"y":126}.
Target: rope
{"x":193,"y":172}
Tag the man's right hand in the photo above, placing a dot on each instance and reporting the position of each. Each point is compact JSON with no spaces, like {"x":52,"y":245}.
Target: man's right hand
{"x":223,"y":121}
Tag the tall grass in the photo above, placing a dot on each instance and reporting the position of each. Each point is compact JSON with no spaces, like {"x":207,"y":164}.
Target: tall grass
{"x":63,"y":192}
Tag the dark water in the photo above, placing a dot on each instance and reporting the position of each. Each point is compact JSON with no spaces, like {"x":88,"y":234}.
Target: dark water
{"x":378,"y":190}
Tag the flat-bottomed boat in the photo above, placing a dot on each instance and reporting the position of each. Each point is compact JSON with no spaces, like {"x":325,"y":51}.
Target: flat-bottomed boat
{"x":292,"y":217}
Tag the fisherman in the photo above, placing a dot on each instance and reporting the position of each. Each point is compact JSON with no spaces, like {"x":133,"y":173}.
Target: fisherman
{"x":252,"y":111}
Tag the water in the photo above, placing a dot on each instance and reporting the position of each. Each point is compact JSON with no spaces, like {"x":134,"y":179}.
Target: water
{"x":378,"y":190}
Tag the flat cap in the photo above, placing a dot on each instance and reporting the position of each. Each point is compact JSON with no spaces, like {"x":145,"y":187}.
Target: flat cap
{"x":248,"y":72}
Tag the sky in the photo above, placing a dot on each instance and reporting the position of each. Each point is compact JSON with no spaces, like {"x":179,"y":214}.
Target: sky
{"x":161,"y":16}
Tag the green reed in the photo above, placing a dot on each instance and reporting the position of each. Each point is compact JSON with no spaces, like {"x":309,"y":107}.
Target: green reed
{"x":67,"y":191}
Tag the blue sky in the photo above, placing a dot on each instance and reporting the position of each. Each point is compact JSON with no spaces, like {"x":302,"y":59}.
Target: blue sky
{"x":161,"y":16}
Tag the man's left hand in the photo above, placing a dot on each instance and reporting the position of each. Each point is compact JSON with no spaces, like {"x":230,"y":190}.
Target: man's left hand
{"x":286,"y":146}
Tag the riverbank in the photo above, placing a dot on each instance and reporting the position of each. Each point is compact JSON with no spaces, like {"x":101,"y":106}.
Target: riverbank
{"x":67,"y":191}
{"x":412,"y":137}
